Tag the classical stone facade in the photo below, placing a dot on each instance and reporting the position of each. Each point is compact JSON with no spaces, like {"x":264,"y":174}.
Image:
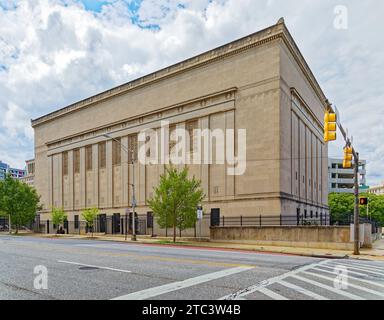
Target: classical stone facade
{"x":260,"y":83}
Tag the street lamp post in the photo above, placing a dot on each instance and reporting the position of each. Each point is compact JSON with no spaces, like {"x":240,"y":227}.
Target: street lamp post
{"x":133,"y":238}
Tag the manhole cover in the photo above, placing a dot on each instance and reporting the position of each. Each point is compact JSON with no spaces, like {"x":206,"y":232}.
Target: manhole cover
{"x":88,"y":268}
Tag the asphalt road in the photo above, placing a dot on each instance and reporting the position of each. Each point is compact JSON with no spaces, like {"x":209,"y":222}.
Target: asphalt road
{"x":81,"y":269}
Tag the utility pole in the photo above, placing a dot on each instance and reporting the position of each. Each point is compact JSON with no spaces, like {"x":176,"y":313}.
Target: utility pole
{"x":357,"y":208}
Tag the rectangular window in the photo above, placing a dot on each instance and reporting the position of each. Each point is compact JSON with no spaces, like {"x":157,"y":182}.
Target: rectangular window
{"x":76,"y":161}
{"x":65,"y":163}
{"x":148,"y":146}
{"x":102,"y":155}
{"x":88,"y":158}
{"x":116,"y":152}
{"x":132,"y":144}
{"x":76,"y":221}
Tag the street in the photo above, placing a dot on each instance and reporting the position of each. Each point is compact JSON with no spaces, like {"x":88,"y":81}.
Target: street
{"x":86,"y":269}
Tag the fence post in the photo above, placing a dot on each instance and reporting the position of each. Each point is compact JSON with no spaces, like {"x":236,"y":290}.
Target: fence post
{"x":47,"y":226}
{"x":223,"y":222}
{"x":281,"y":220}
{"x":241,"y":221}
{"x":260,"y":220}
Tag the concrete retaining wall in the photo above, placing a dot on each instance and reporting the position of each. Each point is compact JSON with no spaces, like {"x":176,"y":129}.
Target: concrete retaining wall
{"x":332,"y":237}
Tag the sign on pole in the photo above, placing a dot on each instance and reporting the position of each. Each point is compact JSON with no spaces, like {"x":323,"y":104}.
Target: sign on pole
{"x":199,"y":213}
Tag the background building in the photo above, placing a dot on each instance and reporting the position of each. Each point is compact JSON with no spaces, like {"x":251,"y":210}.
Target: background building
{"x":342,"y":180}
{"x":379,"y":190}
{"x":29,"y":178}
{"x":260,"y":83}
{"x":15,"y":173}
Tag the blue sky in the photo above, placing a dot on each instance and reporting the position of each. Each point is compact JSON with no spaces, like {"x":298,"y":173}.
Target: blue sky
{"x":56,"y":52}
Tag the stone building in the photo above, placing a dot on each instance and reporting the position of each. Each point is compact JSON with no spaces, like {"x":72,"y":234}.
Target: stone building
{"x":260,"y":83}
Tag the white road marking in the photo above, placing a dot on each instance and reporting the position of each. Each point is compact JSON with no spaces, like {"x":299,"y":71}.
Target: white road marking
{"x":157,"y":291}
{"x":323,"y":286}
{"x":349,"y":271}
{"x":380,"y":294}
{"x":302,"y":290}
{"x":360,"y":269}
{"x":349,"y":276}
{"x":367,"y":265}
{"x":265,"y":283}
{"x":271,"y":294}
{"x":92,"y":266}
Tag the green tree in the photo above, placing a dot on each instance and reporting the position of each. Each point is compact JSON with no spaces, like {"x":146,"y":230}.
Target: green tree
{"x":18,"y":201}
{"x":89,"y":215}
{"x":176,"y":199}
{"x":58,"y":217}
{"x":342,"y":206}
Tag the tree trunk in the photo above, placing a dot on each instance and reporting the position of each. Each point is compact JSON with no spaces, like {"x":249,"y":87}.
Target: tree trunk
{"x":174,"y":233}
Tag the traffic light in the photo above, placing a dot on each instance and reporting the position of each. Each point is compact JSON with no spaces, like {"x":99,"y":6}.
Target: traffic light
{"x":348,"y":157}
{"x":363,"y":201}
{"x":330,"y":127}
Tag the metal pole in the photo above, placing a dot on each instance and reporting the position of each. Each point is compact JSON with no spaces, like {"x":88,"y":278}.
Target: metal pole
{"x":10,"y":224}
{"x":133,"y":202}
{"x":356,"y":212}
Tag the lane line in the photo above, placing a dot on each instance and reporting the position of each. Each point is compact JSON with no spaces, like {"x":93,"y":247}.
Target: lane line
{"x":323,"y":286}
{"x":352,"y":277}
{"x":272,"y":294}
{"x":265,"y":283}
{"x":377,"y":293}
{"x":302,"y":290}
{"x":93,"y":266}
{"x":174,"y":286}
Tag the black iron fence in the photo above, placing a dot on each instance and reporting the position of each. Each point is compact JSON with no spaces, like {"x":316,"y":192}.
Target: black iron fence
{"x":265,"y":221}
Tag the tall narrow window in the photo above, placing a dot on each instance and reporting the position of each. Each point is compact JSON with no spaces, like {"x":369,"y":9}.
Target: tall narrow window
{"x":102,"y":155}
{"x":76,"y":161}
{"x":172,"y":140}
{"x":88,"y":158}
{"x":132,"y":141}
{"x":116,"y":152}
{"x":65,"y":163}
{"x":192,"y":126}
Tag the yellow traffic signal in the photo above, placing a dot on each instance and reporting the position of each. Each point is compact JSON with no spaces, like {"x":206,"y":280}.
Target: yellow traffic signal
{"x":330,"y":127}
{"x":348,"y":157}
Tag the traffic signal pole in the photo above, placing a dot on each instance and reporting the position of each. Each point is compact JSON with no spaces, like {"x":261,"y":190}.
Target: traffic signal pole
{"x":356,"y":246}
{"x":356,"y":178}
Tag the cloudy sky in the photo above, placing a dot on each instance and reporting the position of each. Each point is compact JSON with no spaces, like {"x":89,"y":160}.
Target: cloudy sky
{"x":56,"y":52}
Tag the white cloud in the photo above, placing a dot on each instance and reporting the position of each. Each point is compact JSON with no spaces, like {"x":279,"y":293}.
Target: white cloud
{"x":54,"y":52}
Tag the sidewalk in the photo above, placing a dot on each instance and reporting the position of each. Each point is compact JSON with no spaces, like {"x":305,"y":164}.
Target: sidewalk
{"x":375,"y":254}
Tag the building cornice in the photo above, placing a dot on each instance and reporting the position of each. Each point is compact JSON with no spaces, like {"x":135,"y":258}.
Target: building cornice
{"x":273,"y":33}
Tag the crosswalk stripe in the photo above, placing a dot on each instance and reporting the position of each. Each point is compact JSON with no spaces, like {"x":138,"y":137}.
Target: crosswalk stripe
{"x":272,"y":294}
{"x":359,"y":267}
{"x":302,"y":290}
{"x":380,"y":294}
{"x":337,"y":291}
{"x":367,"y":265}
{"x":265,"y":283}
{"x":170,"y":287}
{"x":352,"y":277}
{"x":349,"y":271}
